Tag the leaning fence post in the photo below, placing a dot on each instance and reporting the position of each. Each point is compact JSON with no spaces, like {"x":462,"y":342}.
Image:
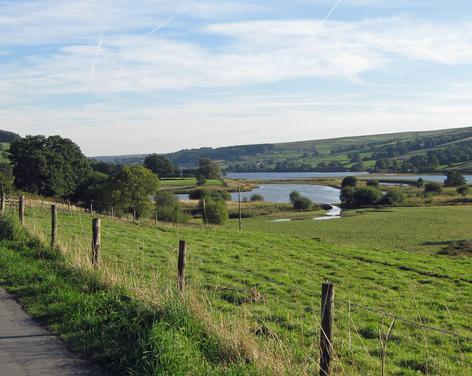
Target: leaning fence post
{"x":21,"y":209}
{"x":95,"y":242}
{"x":326,"y":335}
{"x":181,"y":265}
{"x":53,"y":226}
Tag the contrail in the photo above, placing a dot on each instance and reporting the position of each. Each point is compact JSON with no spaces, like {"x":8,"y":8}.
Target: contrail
{"x":331,"y":11}
{"x":160,"y":26}
{"x":147,"y":35}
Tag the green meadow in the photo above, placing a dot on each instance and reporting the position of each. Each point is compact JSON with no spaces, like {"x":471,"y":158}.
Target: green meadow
{"x":265,"y":283}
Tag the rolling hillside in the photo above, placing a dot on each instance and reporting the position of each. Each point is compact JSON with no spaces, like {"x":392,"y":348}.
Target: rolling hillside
{"x":338,"y":154}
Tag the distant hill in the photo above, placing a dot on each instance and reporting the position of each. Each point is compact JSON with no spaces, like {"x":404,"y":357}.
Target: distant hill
{"x":426,"y":151}
{"x":9,"y":137}
{"x":6,"y":138}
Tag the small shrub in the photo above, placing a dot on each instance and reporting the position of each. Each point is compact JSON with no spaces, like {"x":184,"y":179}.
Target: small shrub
{"x":168,"y":209}
{"x":166,"y":199}
{"x":393,"y":197}
{"x":373,"y":183}
{"x":463,"y":190}
{"x":454,"y":179}
{"x":294,"y":195}
{"x":201,"y":181}
{"x":215,"y":212}
{"x":420,"y":183}
{"x":198,"y":194}
{"x":349,"y":181}
{"x":11,"y":228}
{"x":432,"y":188}
{"x":220,"y":195}
{"x":257,"y":197}
{"x":347,"y":195}
{"x":302,"y":203}
{"x":367,"y":196}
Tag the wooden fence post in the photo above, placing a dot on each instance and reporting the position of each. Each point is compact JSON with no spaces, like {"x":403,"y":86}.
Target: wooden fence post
{"x":112,"y":211}
{"x":326,"y":335}
{"x":21,"y":209}
{"x":181,"y":265}
{"x":95,"y":242}
{"x":53,"y":226}
{"x":2,"y":201}
{"x":239,"y":206}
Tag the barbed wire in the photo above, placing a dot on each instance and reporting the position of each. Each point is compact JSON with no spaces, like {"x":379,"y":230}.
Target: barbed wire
{"x":311,"y":293}
{"x":403,"y":319}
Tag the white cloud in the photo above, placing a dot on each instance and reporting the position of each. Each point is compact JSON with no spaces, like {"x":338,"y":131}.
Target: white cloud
{"x":106,"y":48}
{"x":252,"y":52}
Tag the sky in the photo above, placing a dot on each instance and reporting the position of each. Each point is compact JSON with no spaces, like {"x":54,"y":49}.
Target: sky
{"x":134,"y":77}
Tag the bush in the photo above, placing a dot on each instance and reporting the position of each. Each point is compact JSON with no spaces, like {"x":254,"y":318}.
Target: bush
{"x":367,"y":196}
{"x":393,"y":197}
{"x":432,"y":188}
{"x":215,"y":212}
{"x":201,"y":181}
{"x":454,"y":179}
{"x":172,"y":214}
{"x":302,"y":203}
{"x":294,"y":195}
{"x":198,"y":194}
{"x":373,"y":183}
{"x":257,"y":197}
{"x":168,"y":209}
{"x":420,"y":183}
{"x":166,"y":199}
{"x":220,"y":195}
{"x":463,"y":190}
{"x":349,"y":181}
{"x":11,"y":228}
{"x":347,"y":195}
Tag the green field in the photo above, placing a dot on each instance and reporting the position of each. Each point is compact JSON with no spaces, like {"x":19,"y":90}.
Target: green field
{"x":267,"y":281}
{"x":421,"y":229}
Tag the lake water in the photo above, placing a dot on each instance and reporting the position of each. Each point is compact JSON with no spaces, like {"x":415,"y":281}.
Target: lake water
{"x":290,"y":175}
{"x":317,"y":193}
{"x":280,"y":193}
{"x":414,"y":177}
{"x":307,"y":175}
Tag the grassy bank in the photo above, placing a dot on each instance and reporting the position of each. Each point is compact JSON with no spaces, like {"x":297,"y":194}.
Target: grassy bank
{"x":265,"y":287}
{"x":104,"y":322}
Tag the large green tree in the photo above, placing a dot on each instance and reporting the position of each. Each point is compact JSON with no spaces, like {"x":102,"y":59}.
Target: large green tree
{"x":161,"y":166}
{"x":209,"y":169}
{"x":132,"y":189}
{"x":50,"y":166}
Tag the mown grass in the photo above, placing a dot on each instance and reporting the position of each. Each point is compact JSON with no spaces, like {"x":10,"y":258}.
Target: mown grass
{"x":267,"y":283}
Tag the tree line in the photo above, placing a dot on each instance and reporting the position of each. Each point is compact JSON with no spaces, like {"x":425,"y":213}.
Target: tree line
{"x":56,"y":167}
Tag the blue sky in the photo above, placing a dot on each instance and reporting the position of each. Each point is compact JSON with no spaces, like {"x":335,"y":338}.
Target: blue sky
{"x":125,"y":77}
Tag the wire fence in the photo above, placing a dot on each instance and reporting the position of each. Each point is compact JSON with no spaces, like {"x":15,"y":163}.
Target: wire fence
{"x":248,"y":282}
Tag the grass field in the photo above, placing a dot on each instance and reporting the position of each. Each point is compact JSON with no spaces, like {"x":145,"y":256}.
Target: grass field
{"x":422,"y":229}
{"x":267,"y":282}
